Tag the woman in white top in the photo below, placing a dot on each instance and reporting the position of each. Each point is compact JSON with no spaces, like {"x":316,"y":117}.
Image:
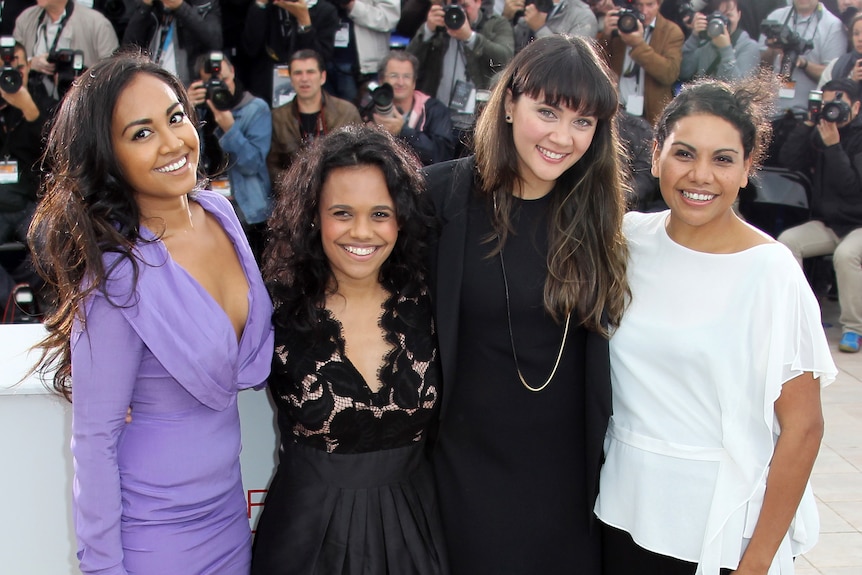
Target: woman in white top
{"x":716,"y":366}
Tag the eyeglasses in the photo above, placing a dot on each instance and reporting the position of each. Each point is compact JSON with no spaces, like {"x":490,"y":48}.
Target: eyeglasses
{"x":393,"y":76}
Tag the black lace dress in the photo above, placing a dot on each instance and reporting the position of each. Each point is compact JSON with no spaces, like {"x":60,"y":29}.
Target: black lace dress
{"x":353,"y":492}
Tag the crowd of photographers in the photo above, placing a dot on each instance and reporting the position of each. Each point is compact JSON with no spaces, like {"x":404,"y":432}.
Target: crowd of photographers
{"x":268,"y":77}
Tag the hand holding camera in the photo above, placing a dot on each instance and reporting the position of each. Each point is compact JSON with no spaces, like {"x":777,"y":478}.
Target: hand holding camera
{"x":827,"y":115}
{"x":297,"y":8}
{"x":41,"y":64}
{"x":628,"y":23}
{"x":856,"y":72}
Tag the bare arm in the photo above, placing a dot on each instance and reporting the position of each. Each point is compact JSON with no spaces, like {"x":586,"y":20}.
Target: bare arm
{"x":801,"y":419}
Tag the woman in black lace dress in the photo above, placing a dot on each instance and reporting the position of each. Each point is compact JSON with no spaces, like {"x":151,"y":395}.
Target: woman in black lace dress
{"x":355,"y":375}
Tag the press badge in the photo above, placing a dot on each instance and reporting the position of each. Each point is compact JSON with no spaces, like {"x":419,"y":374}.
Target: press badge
{"x":9,"y":172}
{"x":221,"y":185}
{"x":342,"y":37}
{"x":635,"y":105}
{"x":787,"y":90}
{"x":463,"y":97}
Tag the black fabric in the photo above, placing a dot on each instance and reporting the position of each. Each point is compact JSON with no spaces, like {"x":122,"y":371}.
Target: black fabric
{"x":450,"y":186}
{"x":622,"y":556}
{"x":351,"y":514}
{"x":510,"y":463}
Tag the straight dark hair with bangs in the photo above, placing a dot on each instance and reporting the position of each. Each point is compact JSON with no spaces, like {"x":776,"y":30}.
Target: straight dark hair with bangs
{"x":586,"y":249}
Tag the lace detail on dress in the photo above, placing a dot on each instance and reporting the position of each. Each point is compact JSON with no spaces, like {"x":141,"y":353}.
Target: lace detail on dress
{"x":328,"y":404}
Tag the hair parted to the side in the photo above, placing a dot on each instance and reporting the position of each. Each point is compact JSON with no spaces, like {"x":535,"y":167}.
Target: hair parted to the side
{"x":586,"y":250}
{"x":296,"y":269}
{"x":87,"y":208}
{"x":747,"y":104}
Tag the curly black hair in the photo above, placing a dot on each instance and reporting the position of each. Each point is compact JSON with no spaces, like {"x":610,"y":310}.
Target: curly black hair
{"x":295,"y":267}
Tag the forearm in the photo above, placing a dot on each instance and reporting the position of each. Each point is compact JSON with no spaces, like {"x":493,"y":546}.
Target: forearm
{"x":800,"y":420}
{"x":791,"y":467}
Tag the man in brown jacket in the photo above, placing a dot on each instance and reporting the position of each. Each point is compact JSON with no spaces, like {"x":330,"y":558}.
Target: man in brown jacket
{"x":310,"y":115}
{"x":647,"y":58}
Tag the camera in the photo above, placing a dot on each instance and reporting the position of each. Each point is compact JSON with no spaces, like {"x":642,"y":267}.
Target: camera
{"x":837,"y":111}
{"x":628,"y":19}
{"x":10,"y":77}
{"x":68,"y":65}
{"x":382,"y":97}
{"x":545,"y":6}
{"x":815,"y":104}
{"x":716,"y":24}
{"x":784,"y":37}
{"x":217,"y":91}
{"x":689,"y":9}
{"x":454,"y":16}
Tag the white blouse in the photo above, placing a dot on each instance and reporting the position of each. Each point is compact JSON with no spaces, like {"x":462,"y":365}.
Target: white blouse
{"x":696,"y":365}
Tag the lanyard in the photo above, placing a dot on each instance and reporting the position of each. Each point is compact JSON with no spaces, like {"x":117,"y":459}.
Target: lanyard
{"x":166,"y":35}
{"x":69,"y":9}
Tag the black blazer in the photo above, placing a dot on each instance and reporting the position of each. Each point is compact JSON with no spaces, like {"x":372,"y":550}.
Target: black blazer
{"x":449,"y":187}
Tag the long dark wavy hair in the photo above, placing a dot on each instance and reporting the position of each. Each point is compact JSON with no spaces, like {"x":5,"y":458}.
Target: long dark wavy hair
{"x":586,"y":250}
{"x":87,"y":207}
{"x":296,"y":269}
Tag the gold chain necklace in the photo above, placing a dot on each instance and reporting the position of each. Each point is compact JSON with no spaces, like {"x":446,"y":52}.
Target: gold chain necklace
{"x":512,"y":337}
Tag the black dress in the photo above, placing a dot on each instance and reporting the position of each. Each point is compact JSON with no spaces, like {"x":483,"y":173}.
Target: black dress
{"x":353,"y":492}
{"x":509,"y":462}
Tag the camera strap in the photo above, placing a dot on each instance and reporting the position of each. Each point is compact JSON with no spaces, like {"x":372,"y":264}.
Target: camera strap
{"x":166,"y":36}
{"x":793,"y":14}
{"x":70,"y":7}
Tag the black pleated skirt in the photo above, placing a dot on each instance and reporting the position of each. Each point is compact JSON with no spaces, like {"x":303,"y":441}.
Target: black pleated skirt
{"x":344,"y":514}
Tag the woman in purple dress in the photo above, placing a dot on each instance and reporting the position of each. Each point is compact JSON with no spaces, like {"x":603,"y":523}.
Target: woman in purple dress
{"x":354,"y":376}
{"x":159,"y":307}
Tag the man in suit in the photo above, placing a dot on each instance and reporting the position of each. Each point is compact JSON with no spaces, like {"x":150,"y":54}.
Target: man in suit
{"x":646,"y":58}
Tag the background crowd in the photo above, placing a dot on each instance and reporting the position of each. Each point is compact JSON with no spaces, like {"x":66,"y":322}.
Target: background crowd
{"x":270,"y":77}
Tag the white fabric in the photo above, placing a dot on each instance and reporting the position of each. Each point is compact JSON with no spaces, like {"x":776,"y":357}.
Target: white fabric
{"x":696,"y":366}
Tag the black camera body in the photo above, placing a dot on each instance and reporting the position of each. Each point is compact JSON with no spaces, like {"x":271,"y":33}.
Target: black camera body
{"x":784,"y":37}
{"x":217,"y":91}
{"x":454,"y":16}
{"x":836,"y":111}
{"x":68,"y":65}
{"x":689,"y":9}
{"x":628,"y":19}
{"x":10,"y":78}
{"x":716,"y":24}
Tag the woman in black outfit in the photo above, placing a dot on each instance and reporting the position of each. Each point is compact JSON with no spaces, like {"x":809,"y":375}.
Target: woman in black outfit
{"x":527,"y":275}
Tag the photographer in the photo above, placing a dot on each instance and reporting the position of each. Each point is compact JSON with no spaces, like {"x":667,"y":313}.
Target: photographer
{"x":360,"y":44}
{"x":718,"y":47}
{"x":276,"y":29}
{"x":22,"y":119}
{"x":545,"y":17}
{"x":847,"y":65}
{"x":645,"y":51}
{"x":50,"y":31}
{"x":460,"y":48}
{"x":175,"y":32}
{"x":832,"y":152}
{"x":784,"y":46}
{"x":242,"y":128}
{"x":416,"y":118}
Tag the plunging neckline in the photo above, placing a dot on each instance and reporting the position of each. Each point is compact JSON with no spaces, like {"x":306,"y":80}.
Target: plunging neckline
{"x":238,"y":338}
{"x":388,"y":357}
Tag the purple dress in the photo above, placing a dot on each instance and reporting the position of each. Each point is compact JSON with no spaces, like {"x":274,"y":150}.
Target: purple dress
{"x":163,"y":494}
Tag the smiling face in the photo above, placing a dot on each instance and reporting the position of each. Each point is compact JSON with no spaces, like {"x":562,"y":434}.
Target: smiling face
{"x":358,"y":226}
{"x":548,"y":140}
{"x":401,"y":77}
{"x":155,"y":144}
{"x":701,"y":168}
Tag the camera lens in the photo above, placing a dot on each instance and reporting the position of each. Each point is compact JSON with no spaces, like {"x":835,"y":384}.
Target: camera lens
{"x":453,"y":16}
{"x":627,"y":23}
{"x":10,"y":80}
{"x":715,"y":26}
{"x":382,"y":98}
{"x":219,"y":95}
